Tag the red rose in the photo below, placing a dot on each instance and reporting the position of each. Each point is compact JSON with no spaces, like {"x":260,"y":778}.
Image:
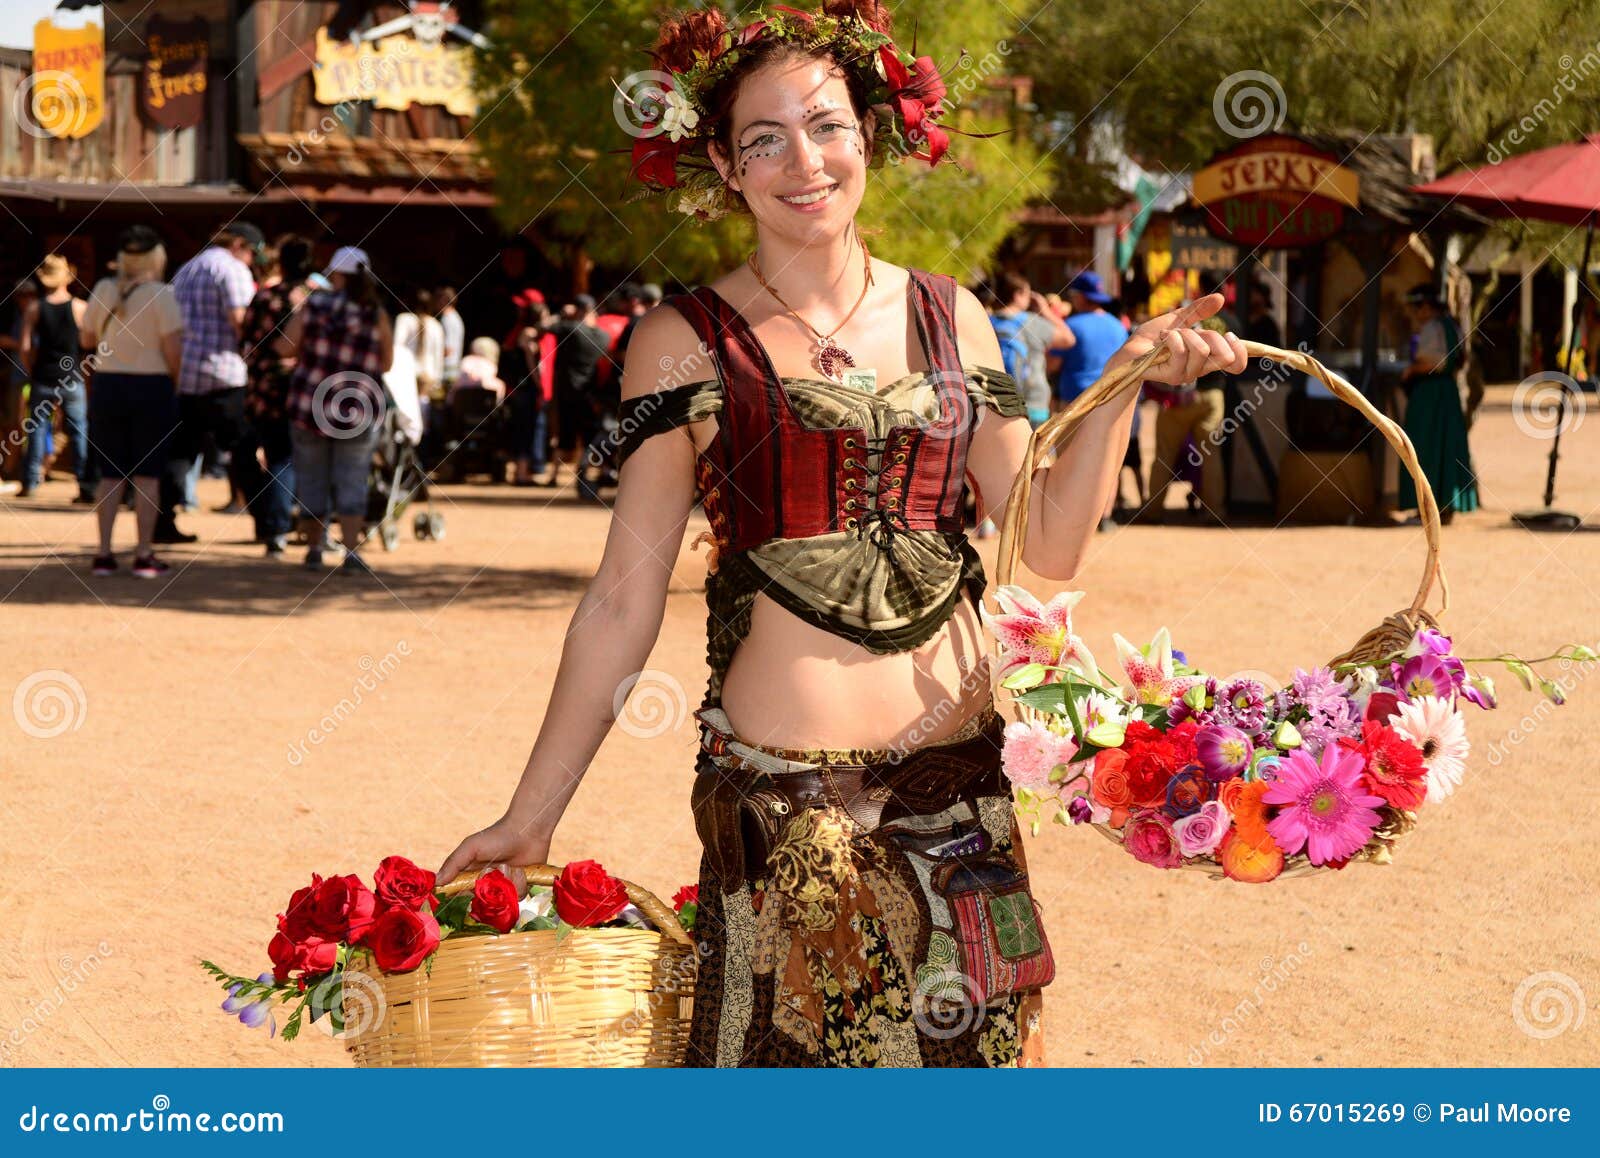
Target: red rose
{"x":495,"y":901}
{"x":1149,"y":838}
{"x":401,"y":938}
{"x":310,"y":958}
{"x":342,"y":909}
{"x":402,"y":885}
{"x":587,"y":895}
{"x":688,"y":895}
{"x":297,"y":922}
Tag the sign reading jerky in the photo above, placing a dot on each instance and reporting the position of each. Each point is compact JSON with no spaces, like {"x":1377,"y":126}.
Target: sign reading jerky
{"x":1277,"y":192}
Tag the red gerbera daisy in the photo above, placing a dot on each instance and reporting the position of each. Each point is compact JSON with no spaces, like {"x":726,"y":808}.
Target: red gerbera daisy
{"x":1394,"y":767}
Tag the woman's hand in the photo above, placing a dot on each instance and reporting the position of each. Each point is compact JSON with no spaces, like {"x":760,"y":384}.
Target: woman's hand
{"x":1195,"y":352}
{"x":506,"y":842}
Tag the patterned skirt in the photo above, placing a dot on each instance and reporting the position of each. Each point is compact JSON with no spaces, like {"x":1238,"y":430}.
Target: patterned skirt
{"x":874,"y":909}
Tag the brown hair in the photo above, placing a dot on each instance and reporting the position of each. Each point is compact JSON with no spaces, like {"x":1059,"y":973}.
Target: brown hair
{"x":701,"y":31}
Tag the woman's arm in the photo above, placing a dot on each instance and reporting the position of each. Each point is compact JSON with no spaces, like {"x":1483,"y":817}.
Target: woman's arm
{"x":1069,"y":496}
{"x":615,"y":626}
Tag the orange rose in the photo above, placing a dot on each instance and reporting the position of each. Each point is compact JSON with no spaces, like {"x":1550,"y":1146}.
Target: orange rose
{"x":1108,"y":784}
{"x":1245,"y":861}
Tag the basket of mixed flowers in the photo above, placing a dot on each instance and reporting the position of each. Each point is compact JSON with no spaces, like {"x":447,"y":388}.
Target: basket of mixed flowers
{"x":579,"y":969}
{"x":1228,"y":775}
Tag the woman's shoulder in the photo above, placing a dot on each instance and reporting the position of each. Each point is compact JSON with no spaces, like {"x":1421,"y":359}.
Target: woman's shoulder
{"x":664,"y":351}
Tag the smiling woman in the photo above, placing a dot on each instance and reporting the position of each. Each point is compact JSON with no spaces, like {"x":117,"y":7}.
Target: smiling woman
{"x":864,"y":898}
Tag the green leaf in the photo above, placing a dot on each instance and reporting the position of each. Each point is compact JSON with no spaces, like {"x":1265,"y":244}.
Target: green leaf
{"x":454,"y":911}
{"x":1108,"y":734}
{"x":1027,"y":676}
{"x":1195,"y":696}
{"x":687,"y":914}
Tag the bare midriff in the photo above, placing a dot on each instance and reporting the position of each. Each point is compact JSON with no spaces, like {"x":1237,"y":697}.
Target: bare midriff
{"x":793,"y":685}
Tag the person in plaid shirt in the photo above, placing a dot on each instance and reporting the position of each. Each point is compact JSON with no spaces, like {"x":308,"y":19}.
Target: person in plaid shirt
{"x":344,"y":343}
{"x":214,"y":289}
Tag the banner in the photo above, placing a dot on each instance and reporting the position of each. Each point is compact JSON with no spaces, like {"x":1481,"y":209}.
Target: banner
{"x":66,"y":95}
{"x":394,"y":73}
{"x":1276,"y":192}
{"x":172,"y":88}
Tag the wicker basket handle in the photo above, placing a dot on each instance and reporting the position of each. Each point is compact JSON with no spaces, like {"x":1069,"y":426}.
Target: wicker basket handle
{"x":1059,"y":429}
{"x":652,"y":906}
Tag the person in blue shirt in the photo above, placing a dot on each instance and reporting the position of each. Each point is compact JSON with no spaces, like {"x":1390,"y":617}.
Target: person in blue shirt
{"x":1096,"y":335}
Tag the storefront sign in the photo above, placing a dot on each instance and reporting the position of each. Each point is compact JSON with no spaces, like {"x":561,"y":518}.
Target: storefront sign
{"x":1194,"y":247}
{"x":394,"y":73}
{"x":1277,"y":192}
{"x":172,"y":90}
{"x":67,"y":91}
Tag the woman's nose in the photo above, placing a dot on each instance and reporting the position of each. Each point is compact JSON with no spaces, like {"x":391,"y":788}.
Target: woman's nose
{"x":805,"y":157}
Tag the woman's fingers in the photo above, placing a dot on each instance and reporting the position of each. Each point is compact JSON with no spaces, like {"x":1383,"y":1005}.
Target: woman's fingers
{"x":464,"y":857}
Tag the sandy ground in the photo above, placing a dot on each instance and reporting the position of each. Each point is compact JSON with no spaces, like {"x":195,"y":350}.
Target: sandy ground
{"x":184,"y":797}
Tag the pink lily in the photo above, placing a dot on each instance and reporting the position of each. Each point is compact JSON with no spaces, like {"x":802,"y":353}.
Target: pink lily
{"x":1034,"y":632}
{"x":1150,"y":670}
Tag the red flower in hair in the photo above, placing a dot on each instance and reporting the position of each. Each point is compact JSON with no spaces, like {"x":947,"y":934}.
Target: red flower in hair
{"x":917,"y":94}
{"x":655,"y":159}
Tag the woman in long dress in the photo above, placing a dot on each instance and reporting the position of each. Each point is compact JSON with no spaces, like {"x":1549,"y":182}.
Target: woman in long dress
{"x":863,"y":896}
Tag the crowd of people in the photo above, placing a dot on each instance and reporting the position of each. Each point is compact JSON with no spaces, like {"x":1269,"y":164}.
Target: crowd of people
{"x":286,"y":378}
{"x":282,"y":376}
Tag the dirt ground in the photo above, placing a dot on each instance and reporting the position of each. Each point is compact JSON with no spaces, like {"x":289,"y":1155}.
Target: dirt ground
{"x":163,"y":792}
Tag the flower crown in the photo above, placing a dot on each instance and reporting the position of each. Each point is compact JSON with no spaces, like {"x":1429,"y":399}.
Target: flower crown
{"x":667,"y":109}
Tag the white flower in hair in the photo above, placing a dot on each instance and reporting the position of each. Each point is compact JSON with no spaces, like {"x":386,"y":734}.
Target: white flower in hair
{"x":678,"y":115}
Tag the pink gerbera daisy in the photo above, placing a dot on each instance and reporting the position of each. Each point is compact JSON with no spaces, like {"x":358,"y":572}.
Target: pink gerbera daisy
{"x":1324,"y":807}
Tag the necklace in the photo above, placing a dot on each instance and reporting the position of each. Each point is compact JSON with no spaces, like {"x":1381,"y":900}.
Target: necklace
{"x":827,"y":355}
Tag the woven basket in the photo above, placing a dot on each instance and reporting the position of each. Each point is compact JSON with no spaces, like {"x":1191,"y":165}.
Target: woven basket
{"x":595,"y":998}
{"x":1388,"y":637}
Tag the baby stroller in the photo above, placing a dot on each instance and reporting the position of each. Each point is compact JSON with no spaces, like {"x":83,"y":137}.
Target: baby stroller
{"x":475,"y":436}
{"x":396,"y":476}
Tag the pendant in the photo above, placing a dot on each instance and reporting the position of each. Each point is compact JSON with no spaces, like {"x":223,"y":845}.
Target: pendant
{"x":831,"y":357}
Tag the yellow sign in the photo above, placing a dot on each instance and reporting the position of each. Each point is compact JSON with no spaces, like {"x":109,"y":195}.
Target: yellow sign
{"x":1277,"y":172}
{"x":394,"y":73}
{"x":67,"y":91}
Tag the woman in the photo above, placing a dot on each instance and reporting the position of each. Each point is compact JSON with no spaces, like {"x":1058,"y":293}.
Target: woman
{"x":281,"y":293}
{"x":343,"y":343}
{"x":523,"y":367}
{"x":135,"y":327}
{"x":1434,"y":420}
{"x":50,"y":354}
{"x":860,"y":840}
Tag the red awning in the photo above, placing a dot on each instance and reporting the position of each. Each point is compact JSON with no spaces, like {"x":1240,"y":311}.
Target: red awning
{"x":1559,"y":184}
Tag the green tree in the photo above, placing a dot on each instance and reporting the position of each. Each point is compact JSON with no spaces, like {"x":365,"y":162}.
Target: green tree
{"x":560,"y":158}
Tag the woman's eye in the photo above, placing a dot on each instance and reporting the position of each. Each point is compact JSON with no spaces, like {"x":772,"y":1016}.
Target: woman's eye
{"x":833,"y":126}
{"x":763,"y":141}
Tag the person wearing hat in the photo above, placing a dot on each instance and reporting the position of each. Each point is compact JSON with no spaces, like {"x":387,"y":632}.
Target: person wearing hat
{"x":344,"y":344}
{"x":214,"y":290}
{"x":49,"y":353}
{"x":134,"y":325}
{"x":1434,"y":420}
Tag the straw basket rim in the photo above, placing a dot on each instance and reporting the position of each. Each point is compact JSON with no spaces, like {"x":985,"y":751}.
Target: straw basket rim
{"x":1389,"y":636}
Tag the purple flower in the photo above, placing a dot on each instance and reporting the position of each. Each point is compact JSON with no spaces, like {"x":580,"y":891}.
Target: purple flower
{"x":1079,"y":810}
{"x":1242,"y":703}
{"x":1428,"y":675}
{"x":1316,"y":688}
{"x":1427,"y":641}
{"x":1333,"y":719}
{"x":252,"y":1013}
{"x":1224,"y":751}
{"x":1180,"y":657}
